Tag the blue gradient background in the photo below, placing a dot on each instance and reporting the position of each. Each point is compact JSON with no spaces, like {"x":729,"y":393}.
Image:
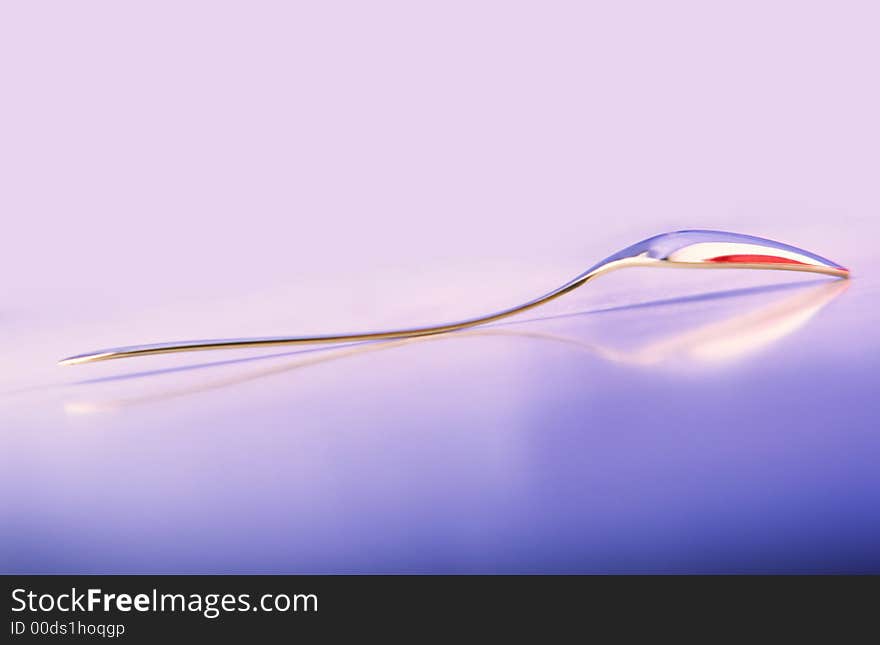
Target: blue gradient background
{"x":186,"y":170}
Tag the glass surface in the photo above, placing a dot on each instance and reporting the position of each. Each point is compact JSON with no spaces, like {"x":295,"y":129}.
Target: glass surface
{"x":687,"y":429}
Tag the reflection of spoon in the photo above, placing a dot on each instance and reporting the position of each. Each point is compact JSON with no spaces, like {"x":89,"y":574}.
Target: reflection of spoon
{"x":725,"y":339}
{"x":731,"y":337}
{"x":704,"y":249}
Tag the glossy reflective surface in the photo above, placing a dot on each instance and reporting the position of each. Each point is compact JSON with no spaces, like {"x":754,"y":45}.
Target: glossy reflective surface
{"x":677,"y":428}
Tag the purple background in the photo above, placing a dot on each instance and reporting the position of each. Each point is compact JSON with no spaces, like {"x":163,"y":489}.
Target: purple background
{"x":177,"y":170}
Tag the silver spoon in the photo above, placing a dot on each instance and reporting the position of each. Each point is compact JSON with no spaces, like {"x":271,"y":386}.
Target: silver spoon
{"x":687,"y":249}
